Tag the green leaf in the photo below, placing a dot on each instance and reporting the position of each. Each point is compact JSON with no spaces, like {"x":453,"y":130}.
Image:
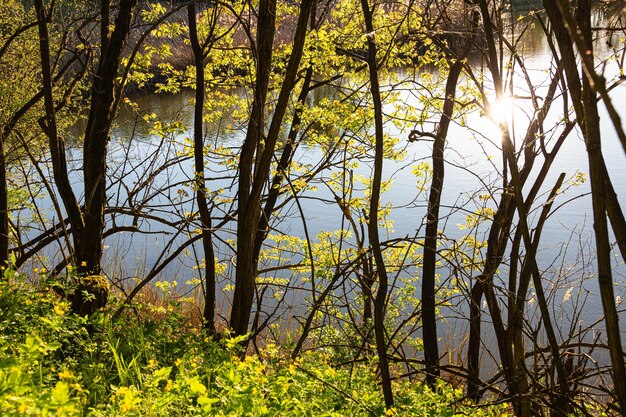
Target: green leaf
{"x":196,"y":387}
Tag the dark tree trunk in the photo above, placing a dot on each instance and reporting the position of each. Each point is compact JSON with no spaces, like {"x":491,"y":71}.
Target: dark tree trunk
{"x":87,"y":227}
{"x":101,"y":115}
{"x":561,"y":404}
{"x":496,"y":245}
{"x":380,"y":300}
{"x":283,"y":164}
{"x":246,"y":224}
{"x":201,"y":196}
{"x":254,"y":177}
{"x":597,"y":174}
{"x":56,"y":143}
{"x":473,"y":344}
{"x":429,"y":323}
{"x":568,"y":32}
{"x":4,"y":210}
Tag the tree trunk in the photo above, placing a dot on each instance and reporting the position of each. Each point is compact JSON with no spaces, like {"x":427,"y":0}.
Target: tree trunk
{"x":56,"y":143}
{"x":496,"y":245}
{"x":597,"y":172}
{"x":101,"y":115}
{"x":87,"y":227}
{"x":246,"y":224}
{"x":380,"y":300}
{"x":429,"y":323}
{"x":200,"y":185}
{"x":252,"y":180}
{"x":4,"y":211}
{"x":584,"y":99}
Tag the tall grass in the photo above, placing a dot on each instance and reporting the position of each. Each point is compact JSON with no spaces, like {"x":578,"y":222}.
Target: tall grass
{"x":155,"y":361}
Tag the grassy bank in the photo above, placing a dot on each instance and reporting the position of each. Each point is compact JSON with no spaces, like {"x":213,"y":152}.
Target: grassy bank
{"x":151,"y":363}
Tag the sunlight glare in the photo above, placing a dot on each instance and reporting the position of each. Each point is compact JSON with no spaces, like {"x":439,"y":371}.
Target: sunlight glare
{"x":501,"y":110}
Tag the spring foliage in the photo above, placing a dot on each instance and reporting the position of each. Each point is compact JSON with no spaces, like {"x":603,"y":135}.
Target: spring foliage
{"x":153,"y":367}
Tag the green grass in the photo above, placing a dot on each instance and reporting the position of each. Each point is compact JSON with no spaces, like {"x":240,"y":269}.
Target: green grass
{"x":147,"y":365}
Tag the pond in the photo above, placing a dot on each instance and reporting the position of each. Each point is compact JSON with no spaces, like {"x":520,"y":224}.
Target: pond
{"x":473,"y":170}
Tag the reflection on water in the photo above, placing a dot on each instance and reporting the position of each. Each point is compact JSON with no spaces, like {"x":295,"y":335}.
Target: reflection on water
{"x":473,"y":171}
{"x":130,"y":123}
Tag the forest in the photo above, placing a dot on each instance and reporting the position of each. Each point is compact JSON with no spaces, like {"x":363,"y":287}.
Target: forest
{"x":312,"y":208}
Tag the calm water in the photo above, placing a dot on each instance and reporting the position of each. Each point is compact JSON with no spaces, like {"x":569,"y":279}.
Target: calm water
{"x":472,"y":165}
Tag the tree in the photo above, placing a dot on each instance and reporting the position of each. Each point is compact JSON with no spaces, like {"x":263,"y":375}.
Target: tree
{"x":508,"y":333}
{"x":381,"y":295}
{"x":87,"y":223}
{"x":429,"y":314}
{"x":259,"y":146}
{"x":18,"y":95}
{"x":199,"y":54}
{"x":584,"y":90}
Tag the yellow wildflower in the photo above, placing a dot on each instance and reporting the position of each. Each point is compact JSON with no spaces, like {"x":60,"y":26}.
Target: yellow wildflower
{"x":65,"y":374}
{"x":59,"y":310}
{"x":126,"y":407}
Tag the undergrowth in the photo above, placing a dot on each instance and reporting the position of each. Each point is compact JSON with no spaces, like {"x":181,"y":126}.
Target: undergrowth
{"x":147,"y":365}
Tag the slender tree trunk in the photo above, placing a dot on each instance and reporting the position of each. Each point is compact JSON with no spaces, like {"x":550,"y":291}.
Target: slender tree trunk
{"x":87,"y":227}
{"x":563,"y":399}
{"x":429,"y":323}
{"x":59,"y":163}
{"x":516,"y":308}
{"x":496,"y":245}
{"x":283,"y":164}
{"x":597,"y":173}
{"x":4,"y":210}
{"x":381,"y":295}
{"x":497,"y":234}
{"x":246,"y":225}
{"x":585,"y":105}
{"x":15,"y":118}
{"x":260,"y":147}
{"x":474,"y":340}
{"x":200,"y":184}
{"x":56,"y":143}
